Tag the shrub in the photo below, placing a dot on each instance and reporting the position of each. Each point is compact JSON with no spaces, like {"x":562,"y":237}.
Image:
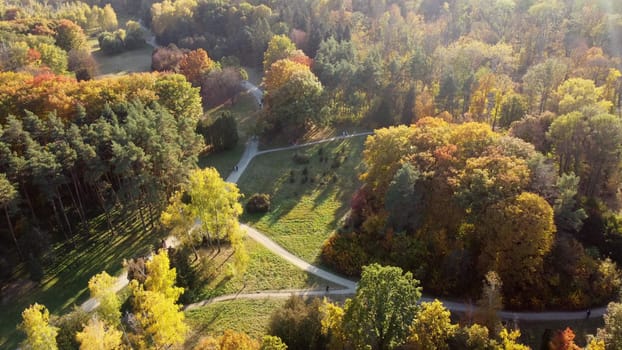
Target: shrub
{"x":258,"y":203}
{"x":299,"y":324}
{"x":344,"y":253}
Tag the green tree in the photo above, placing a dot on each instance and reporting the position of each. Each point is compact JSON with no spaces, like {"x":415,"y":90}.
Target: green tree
{"x":101,"y":287}
{"x":568,"y":217}
{"x":431,"y":328}
{"x":97,"y":335}
{"x":404,"y":199}
{"x":384,"y":306}
{"x":295,"y":106}
{"x":40,"y":335}
{"x":7,"y":195}
{"x":279,"y":47}
{"x":53,"y":57}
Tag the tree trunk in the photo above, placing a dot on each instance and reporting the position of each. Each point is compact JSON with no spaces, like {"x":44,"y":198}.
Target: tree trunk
{"x":100,"y":199}
{"x":8,"y":219}
{"x":62,"y":208}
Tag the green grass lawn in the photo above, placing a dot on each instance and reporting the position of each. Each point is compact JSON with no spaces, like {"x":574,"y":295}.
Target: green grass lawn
{"x":244,"y":110}
{"x":304,"y":214}
{"x":66,"y":278}
{"x":249,"y":316}
{"x":138,"y":60}
{"x":266,"y":271}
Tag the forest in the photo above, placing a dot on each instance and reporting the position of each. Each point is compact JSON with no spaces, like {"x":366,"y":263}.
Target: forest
{"x":496,"y":144}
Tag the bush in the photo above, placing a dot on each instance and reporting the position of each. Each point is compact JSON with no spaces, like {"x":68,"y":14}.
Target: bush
{"x":344,"y":253}
{"x":258,"y":203}
{"x":299,"y":324}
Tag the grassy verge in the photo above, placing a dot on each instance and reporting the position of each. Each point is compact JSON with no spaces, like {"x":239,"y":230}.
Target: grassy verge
{"x":249,"y":316}
{"x":266,"y":271}
{"x":66,"y":278}
{"x":304,"y":214}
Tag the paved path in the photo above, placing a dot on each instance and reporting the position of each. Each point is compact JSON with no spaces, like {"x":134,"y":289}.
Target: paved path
{"x":349,"y":286}
{"x":253,"y":90}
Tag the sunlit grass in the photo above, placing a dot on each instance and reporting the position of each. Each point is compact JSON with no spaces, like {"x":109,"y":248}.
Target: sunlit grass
{"x":266,"y":271}
{"x":304,"y":214}
{"x":248,"y":316}
{"x":66,"y":277}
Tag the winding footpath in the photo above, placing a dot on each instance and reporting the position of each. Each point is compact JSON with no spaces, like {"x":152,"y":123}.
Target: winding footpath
{"x":349,"y":286}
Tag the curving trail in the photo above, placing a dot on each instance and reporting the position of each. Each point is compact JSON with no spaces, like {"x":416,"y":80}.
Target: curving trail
{"x":349,"y":286}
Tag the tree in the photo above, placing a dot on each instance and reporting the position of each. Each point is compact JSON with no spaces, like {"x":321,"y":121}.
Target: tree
{"x":541,"y":80}
{"x":270,"y":342}
{"x":135,"y":36}
{"x":161,"y":277}
{"x":382,"y":309}
{"x":279,"y":47}
{"x":279,"y":73}
{"x":109,"y":19}
{"x":563,"y":340}
{"x":40,"y":335}
{"x":82,"y":63}
{"x":404,"y":199}
{"x":70,"y":36}
{"x":97,"y":335}
{"x":431,"y":328}
{"x":577,"y":93}
{"x":519,"y":232}
{"x":69,"y":324}
{"x":53,"y":57}
{"x":7,"y":195}
{"x":611,"y":333}
{"x":568,"y":217}
{"x":195,"y":65}
{"x":295,"y":106}
{"x":160,"y":318}
{"x":491,"y":302}
{"x":299,"y":324}
{"x":101,"y":287}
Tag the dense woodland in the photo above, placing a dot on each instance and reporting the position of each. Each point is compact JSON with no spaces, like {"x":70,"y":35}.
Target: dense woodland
{"x":497,"y":144}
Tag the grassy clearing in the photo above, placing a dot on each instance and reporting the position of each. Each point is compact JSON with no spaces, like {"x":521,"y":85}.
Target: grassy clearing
{"x":531,"y":332}
{"x":66,"y":278}
{"x":249,"y":316}
{"x":138,"y":60}
{"x":304,"y":214}
{"x":266,"y":271}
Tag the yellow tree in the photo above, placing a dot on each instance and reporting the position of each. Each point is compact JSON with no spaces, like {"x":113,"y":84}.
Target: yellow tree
{"x":518,"y":234}
{"x":101,"y":287}
{"x":161,"y":277}
{"x":40,"y":335}
{"x":279,"y":47}
{"x":431,"y":328}
{"x":195,"y":65}
{"x":97,"y":335}
{"x":382,"y":154}
{"x":160,"y":318}
{"x":229,"y":340}
{"x":280,"y":72}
